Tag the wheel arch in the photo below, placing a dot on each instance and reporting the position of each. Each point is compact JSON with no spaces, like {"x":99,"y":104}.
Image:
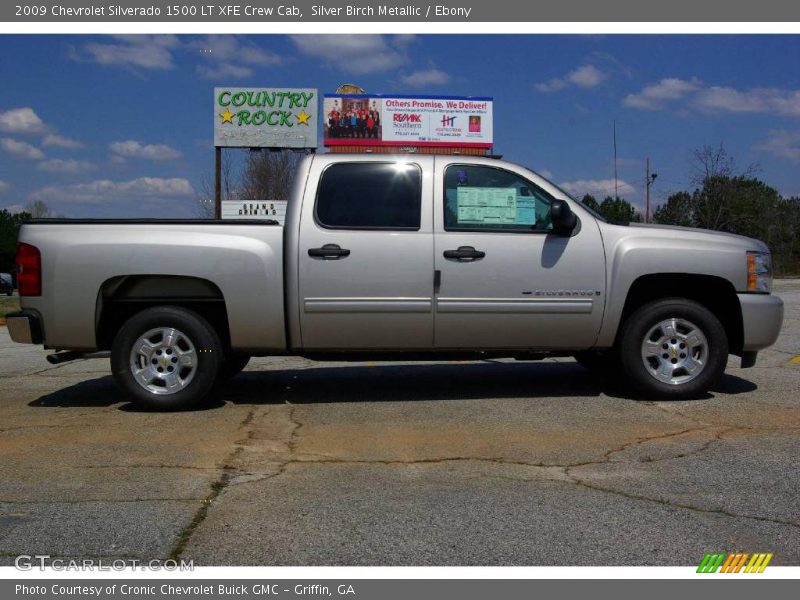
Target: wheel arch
{"x":715,"y":293}
{"x":121,"y":297}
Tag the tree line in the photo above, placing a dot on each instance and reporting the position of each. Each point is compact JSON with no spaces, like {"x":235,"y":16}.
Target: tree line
{"x":9,"y":230}
{"x":725,"y":198}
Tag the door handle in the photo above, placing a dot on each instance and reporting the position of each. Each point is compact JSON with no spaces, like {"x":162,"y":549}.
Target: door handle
{"x":464,"y":254}
{"x":329,"y":252}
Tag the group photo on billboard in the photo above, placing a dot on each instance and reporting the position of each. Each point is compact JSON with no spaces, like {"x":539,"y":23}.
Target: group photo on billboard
{"x":365,"y":119}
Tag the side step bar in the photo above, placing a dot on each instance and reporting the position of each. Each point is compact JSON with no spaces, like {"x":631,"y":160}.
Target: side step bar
{"x":62,"y":357}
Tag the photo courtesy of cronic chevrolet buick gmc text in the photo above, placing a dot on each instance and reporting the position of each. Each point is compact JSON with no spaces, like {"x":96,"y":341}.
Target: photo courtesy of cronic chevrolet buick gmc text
{"x":396,"y":258}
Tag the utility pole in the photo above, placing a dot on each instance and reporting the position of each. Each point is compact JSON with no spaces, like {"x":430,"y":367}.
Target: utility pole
{"x":616,"y":185}
{"x":649,"y":179}
{"x":217,"y":182}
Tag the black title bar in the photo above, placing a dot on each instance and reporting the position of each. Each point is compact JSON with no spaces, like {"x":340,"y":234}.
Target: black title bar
{"x":270,"y":11}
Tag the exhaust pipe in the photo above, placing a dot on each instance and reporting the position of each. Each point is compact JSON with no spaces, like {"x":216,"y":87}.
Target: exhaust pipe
{"x":62,"y":357}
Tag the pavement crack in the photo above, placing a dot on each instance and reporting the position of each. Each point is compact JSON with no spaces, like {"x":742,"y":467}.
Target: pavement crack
{"x":674,"y":504}
{"x":297,"y":425}
{"x":217,"y":487}
{"x":183,"y":467}
{"x":248,"y":419}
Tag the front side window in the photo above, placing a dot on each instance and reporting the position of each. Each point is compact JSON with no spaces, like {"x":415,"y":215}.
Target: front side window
{"x":370,"y":195}
{"x":487,"y":198}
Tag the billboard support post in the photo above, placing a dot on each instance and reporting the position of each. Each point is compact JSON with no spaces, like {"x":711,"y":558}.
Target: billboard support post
{"x":217,"y":182}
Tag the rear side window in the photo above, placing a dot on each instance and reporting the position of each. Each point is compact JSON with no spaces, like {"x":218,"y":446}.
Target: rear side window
{"x":370,"y":196}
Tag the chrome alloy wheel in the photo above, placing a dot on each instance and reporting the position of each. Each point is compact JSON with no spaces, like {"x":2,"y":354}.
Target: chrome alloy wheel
{"x":675,"y":351}
{"x":163,"y":361}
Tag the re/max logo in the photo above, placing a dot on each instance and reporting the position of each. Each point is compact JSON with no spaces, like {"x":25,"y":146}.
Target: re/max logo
{"x":406,"y":118}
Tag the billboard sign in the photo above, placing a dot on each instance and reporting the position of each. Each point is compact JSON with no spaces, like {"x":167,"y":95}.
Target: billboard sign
{"x":377,"y":120}
{"x":265,"y":117}
{"x":254,"y":209}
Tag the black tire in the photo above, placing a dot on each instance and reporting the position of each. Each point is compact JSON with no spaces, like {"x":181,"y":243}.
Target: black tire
{"x":193,"y":329}
{"x":234,"y":363}
{"x":632,"y":339}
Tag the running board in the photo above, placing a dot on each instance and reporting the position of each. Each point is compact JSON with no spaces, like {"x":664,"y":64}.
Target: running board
{"x":62,"y":357}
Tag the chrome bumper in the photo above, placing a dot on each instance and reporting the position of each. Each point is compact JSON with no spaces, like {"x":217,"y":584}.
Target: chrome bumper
{"x":762,"y":317}
{"x":24,"y":327}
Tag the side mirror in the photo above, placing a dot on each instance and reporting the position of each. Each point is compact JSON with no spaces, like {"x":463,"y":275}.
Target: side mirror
{"x":562,"y":217}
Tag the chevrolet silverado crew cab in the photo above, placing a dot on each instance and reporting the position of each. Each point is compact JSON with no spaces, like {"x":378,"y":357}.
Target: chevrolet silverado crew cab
{"x":396,"y":258}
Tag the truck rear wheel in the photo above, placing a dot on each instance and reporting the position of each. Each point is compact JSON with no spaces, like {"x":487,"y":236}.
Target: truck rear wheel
{"x":166,"y":358}
{"x":673,"y":349}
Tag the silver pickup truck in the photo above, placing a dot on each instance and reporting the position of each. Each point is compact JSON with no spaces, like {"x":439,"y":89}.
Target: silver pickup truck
{"x":397,"y":258}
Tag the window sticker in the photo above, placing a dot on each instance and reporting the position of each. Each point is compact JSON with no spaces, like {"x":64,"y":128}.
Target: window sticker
{"x":526,"y":210}
{"x":494,"y":206}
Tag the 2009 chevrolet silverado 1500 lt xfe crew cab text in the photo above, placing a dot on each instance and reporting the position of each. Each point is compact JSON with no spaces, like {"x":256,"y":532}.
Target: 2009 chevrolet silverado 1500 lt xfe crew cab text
{"x":399,"y":258}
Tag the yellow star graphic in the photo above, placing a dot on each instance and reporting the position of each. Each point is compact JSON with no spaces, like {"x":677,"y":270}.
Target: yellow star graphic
{"x":303,"y":117}
{"x":227,"y":116}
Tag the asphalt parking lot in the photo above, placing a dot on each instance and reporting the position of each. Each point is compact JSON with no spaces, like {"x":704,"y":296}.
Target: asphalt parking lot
{"x":494,"y":462}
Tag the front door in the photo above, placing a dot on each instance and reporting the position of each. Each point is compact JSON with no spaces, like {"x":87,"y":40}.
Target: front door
{"x":366,"y":256}
{"x":507,"y":281}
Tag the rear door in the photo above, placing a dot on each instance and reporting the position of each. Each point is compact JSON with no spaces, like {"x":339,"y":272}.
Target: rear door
{"x":366,"y":255}
{"x":506,"y":280}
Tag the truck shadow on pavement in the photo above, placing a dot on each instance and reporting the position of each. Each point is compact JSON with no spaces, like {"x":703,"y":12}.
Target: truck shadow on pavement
{"x":389,"y":383}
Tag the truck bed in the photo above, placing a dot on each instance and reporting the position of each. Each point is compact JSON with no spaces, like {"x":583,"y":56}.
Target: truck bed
{"x":243,"y":259}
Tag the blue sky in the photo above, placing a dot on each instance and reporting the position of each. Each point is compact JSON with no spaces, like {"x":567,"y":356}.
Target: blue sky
{"x":122,"y":126}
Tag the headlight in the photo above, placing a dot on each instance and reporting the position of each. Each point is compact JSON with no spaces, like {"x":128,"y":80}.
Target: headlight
{"x":759,"y":272}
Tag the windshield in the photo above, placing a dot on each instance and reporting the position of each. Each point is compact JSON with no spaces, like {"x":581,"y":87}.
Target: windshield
{"x":590,"y":210}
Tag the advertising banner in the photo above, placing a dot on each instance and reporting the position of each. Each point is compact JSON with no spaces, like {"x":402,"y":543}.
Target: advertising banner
{"x":377,"y":120}
{"x":265,"y":117}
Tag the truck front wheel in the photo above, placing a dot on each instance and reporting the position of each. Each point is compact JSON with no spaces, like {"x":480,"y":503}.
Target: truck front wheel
{"x":166,"y":358}
{"x":673,"y":349}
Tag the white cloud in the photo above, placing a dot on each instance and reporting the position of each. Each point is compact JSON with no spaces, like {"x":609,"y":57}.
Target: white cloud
{"x":21,"y":149}
{"x":60,"y":141}
{"x":231,"y":56}
{"x":546,"y":173}
{"x":68,"y":166}
{"x":143,"y":189}
{"x":425,"y":78}
{"x":599,"y":188}
{"x":222,"y":71}
{"x":782,"y":143}
{"x":3,"y":186}
{"x":586,"y":76}
{"x":715,"y":99}
{"x":153,"y":52}
{"x":654,"y":97}
{"x":355,"y":53}
{"x":134,"y":149}
{"x":21,"y":120}
{"x":405,"y":39}
{"x":756,"y":100}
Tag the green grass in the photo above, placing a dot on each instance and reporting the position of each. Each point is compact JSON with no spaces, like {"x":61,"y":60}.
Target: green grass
{"x":8,"y":305}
